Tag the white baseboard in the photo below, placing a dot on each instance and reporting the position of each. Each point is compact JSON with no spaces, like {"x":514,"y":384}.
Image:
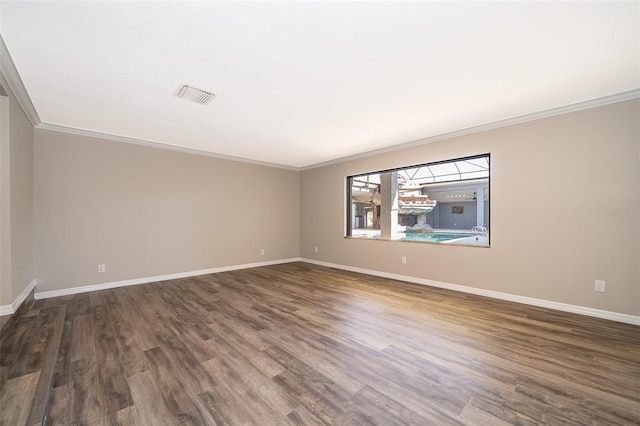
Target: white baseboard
{"x":613,"y":316}
{"x":597,"y":313}
{"x":12,"y":308}
{"x":6,"y":310}
{"x":136,"y":281}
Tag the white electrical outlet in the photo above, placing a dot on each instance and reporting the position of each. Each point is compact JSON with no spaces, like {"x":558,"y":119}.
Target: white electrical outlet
{"x":316,"y":249}
{"x":102,"y":268}
{"x":600,"y":286}
{"x":404,"y":259}
{"x":261,"y":252}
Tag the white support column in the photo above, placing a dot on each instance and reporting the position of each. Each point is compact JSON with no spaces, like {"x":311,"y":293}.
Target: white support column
{"x":389,"y":205}
{"x":353,"y":215}
{"x":480,"y":206}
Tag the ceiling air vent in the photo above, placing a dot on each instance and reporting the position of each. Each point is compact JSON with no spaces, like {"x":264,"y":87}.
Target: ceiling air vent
{"x":196,"y":95}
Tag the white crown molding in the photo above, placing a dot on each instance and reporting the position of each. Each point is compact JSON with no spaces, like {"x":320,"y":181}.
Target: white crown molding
{"x":578,"y":106}
{"x":153,"y":144}
{"x":11,"y":76}
{"x":145,"y":280}
{"x":575,"y":309}
{"x":12,"y":308}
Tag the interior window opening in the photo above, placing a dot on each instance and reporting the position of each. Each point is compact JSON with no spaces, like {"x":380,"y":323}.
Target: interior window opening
{"x":445,"y":202}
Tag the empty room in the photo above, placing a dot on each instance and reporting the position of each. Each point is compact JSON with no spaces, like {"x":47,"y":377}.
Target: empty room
{"x":319,"y":213}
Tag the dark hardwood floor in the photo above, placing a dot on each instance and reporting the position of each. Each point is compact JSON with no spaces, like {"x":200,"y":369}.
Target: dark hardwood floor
{"x":303,"y":344}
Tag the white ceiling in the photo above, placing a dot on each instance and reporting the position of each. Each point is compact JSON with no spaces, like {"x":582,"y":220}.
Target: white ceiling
{"x":300,"y":83}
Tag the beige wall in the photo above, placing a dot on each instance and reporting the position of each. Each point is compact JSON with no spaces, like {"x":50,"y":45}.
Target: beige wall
{"x":16,"y":216}
{"x":552,"y":183}
{"x":146,"y":212}
{"x":5,"y":202}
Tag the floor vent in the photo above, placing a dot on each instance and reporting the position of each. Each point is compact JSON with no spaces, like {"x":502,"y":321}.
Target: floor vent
{"x":196,"y":95}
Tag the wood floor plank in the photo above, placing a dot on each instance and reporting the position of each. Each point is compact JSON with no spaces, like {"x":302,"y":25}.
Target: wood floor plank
{"x":228,"y":397}
{"x":14,"y":335}
{"x":315,"y":391}
{"x":128,"y":298}
{"x":474,"y":416}
{"x":126,"y":417}
{"x":193,"y":340}
{"x":82,"y":346}
{"x":303,"y":344}
{"x":253,"y":378}
{"x":200,"y":385}
{"x":201,"y":304}
{"x":38,"y":411}
{"x":130,"y":350}
{"x":376,"y":408}
{"x":111,"y":379}
{"x":62,"y":373}
{"x":15,"y":407}
{"x":29,"y":357}
{"x":177,"y":398}
{"x":87,"y":404}
{"x":4,"y":375}
{"x":149,"y":402}
{"x":225,"y":337}
{"x":248,"y":403}
{"x":62,"y":406}
{"x":323,"y":363}
{"x":302,"y":416}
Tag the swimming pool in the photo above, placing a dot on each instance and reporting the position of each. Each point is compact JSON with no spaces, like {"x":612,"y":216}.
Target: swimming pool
{"x":440,"y":236}
{"x":448,"y":237}
{"x":435,"y":237}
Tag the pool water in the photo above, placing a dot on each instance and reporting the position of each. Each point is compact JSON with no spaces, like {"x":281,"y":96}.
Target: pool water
{"x":441,"y":237}
{"x":435,"y":236}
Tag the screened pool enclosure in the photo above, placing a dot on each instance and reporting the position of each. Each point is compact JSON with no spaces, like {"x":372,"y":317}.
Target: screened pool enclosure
{"x":443,"y":202}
